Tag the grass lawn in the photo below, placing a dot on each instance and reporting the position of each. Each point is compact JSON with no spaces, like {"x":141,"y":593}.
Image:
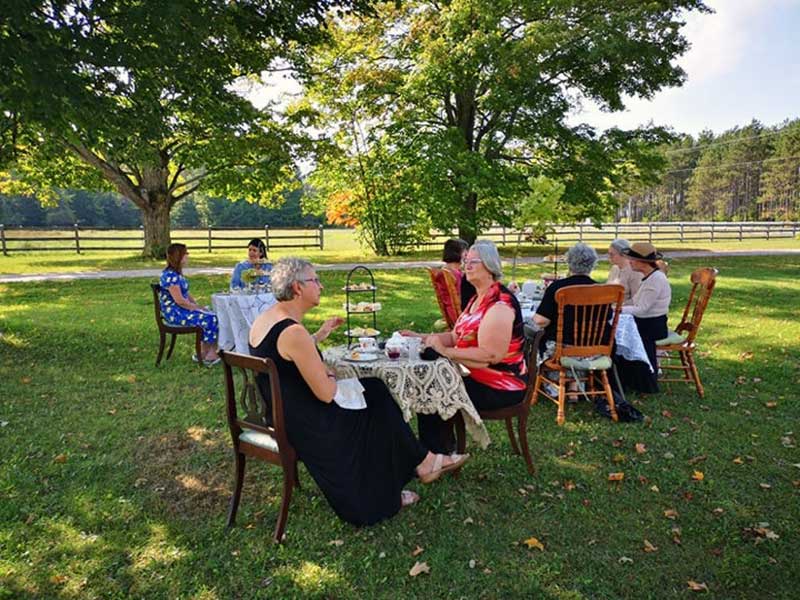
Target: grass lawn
{"x":341,"y":245}
{"x":116,"y":474}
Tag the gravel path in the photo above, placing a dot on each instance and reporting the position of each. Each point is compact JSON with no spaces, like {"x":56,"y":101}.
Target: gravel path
{"x":155,"y":273}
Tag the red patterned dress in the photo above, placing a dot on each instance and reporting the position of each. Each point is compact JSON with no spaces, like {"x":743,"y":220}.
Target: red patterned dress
{"x":508,"y":375}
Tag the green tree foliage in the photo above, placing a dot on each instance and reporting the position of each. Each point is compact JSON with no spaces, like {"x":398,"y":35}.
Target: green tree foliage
{"x":474,"y":95}
{"x":139,"y":97}
{"x":780,"y":190}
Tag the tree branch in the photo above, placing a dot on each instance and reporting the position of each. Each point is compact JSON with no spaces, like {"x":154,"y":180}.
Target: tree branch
{"x":115,"y":175}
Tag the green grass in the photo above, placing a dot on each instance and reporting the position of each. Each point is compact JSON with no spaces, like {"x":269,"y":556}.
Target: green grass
{"x":341,"y":246}
{"x":116,"y":475}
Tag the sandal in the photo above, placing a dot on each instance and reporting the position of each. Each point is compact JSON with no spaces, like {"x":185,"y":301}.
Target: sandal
{"x":211,"y":363}
{"x":438,"y":469}
{"x":407,"y":498}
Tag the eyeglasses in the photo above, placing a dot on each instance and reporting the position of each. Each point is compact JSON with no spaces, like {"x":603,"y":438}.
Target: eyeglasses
{"x":472,"y":262}
{"x":310,"y":279}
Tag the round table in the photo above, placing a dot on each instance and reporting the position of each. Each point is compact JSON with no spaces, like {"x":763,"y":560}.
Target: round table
{"x":236,"y":313}
{"x":418,"y":386}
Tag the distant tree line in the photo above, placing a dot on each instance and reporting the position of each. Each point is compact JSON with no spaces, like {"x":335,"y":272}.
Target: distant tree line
{"x":745,"y":173}
{"x":107,"y":209}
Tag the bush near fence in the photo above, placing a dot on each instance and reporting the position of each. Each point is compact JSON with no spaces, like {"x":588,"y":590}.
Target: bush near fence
{"x":79,"y":240}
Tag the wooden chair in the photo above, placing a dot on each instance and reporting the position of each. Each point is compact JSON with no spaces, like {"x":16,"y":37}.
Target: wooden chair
{"x":261,"y":432}
{"x":590,"y":309}
{"x":165,"y":328}
{"x":703,"y":282}
{"x":446,"y":290}
{"x":519,"y":411}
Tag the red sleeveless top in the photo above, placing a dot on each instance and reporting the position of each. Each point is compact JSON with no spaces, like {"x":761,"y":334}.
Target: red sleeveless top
{"x":510,"y":373}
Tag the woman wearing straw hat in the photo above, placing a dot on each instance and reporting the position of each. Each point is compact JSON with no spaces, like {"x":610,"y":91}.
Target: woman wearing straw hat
{"x":649,"y":307}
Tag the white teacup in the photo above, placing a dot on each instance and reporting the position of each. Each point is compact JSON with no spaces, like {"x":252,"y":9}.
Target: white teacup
{"x":367,"y":344}
{"x":414,"y":345}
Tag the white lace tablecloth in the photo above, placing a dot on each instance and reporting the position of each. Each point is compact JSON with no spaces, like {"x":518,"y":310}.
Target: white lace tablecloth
{"x":418,"y":386}
{"x":236,"y":313}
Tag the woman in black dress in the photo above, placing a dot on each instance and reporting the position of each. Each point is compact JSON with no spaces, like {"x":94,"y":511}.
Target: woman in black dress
{"x":360,"y":459}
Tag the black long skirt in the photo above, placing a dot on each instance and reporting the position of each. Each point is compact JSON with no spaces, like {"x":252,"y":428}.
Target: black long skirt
{"x":636,"y":375}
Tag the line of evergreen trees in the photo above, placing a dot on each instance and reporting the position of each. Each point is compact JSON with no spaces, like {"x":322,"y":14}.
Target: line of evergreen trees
{"x":94,"y":209}
{"x":746,"y":173}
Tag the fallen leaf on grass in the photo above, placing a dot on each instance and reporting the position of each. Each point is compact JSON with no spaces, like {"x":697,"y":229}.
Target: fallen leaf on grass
{"x":336,"y":542}
{"x":533,"y":542}
{"x":648,"y":547}
{"x":468,"y":521}
{"x":666,"y":414}
{"x":569,"y":485}
{"x":757,"y":380}
{"x":771,"y":404}
{"x":625,"y":559}
{"x":654,"y":488}
{"x":472,"y":563}
{"x":696,"y":586}
{"x":616,"y":476}
{"x":58,"y":579}
{"x":671,"y":513}
{"x":698,"y":476}
{"x":697,"y":459}
{"x":765,"y":486}
{"x":618,"y":458}
{"x":718,"y":511}
{"x":26,"y":380}
{"x":417,"y":551}
{"x":640,"y":448}
{"x":746,"y":355}
{"x":61,"y":458}
{"x":738,"y":460}
{"x":419,"y":568}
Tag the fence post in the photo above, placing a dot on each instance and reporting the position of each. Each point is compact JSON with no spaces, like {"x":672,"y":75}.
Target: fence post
{"x":712,"y":231}
{"x":650,"y":232}
{"x":143,"y":240}
{"x":616,"y":230}
{"x":580,"y":232}
{"x":321,"y":237}
{"x":504,"y":235}
{"x":266,"y":236}
{"x":3,"y":239}
{"x":681,"y":231}
{"x":209,"y":239}
{"x":77,"y":240}
{"x":740,"y":232}
{"x":767,"y":229}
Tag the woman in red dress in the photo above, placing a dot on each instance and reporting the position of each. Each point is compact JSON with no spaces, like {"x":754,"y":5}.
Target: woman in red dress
{"x":487,"y":339}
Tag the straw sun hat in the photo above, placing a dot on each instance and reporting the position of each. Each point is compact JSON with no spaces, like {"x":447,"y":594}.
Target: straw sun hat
{"x":643,"y":251}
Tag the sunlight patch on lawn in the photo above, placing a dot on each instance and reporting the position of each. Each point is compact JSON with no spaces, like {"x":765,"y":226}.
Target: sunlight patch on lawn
{"x":12,"y":340}
{"x":312,"y":578}
{"x":157,"y":551}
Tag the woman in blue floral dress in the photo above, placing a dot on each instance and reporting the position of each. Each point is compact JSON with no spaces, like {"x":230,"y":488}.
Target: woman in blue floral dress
{"x":256,"y":257}
{"x":179,"y":307}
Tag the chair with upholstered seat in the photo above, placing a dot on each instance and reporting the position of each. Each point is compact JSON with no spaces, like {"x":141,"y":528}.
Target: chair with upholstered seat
{"x":681,"y":342}
{"x":446,"y":290}
{"x":259,"y":433}
{"x":519,"y":411}
{"x":593,"y":312}
{"x":165,"y":328}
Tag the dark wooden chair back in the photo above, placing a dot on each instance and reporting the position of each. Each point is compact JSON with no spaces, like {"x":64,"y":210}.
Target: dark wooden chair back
{"x":165,"y":329}
{"x":703,"y":282}
{"x":250,"y":411}
{"x":590,"y":308}
{"x":446,"y":290}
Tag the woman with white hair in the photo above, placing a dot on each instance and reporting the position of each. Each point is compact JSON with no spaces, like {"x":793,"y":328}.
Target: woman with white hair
{"x":581,"y":260}
{"x":621,"y":272}
{"x":487,"y":339}
{"x":360,"y":459}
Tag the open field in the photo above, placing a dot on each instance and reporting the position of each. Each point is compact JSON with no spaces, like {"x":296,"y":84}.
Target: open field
{"x":341,"y":245}
{"x":116,"y":474}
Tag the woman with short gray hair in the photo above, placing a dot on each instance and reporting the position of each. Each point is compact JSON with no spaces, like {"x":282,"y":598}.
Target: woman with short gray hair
{"x":581,"y":259}
{"x":360,"y":459}
{"x":621,"y":272}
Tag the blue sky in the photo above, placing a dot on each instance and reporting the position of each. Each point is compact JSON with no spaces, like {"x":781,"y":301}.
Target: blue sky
{"x":744,"y":64}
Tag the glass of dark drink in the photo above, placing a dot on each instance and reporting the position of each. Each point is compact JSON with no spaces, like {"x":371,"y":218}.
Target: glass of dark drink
{"x":393,"y":353}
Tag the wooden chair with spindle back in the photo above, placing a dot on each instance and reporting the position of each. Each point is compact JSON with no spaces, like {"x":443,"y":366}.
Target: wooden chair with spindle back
{"x":682,"y":340}
{"x":593,"y":311}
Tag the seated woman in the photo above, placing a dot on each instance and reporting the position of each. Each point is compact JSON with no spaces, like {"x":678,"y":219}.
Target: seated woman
{"x":621,"y":272}
{"x":649,"y":307}
{"x":179,"y":307}
{"x":256,"y":257}
{"x":452,"y":255}
{"x":581,"y":260}
{"x":487,"y":339}
{"x":360,"y":459}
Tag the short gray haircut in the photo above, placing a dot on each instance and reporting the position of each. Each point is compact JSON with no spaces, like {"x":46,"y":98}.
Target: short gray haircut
{"x":284,"y":273}
{"x":620,"y":244}
{"x":490,"y":257}
{"x":581,"y":259}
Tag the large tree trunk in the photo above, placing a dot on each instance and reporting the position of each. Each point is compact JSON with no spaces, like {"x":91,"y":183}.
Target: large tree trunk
{"x":155,"y":217}
{"x":468,"y":224}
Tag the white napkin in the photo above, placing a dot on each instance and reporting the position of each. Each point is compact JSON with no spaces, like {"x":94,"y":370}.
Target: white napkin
{"x":350,"y":394}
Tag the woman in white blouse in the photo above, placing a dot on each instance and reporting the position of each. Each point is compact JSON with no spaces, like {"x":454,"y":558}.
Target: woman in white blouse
{"x":621,"y":272}
{"x":649,"y":307}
